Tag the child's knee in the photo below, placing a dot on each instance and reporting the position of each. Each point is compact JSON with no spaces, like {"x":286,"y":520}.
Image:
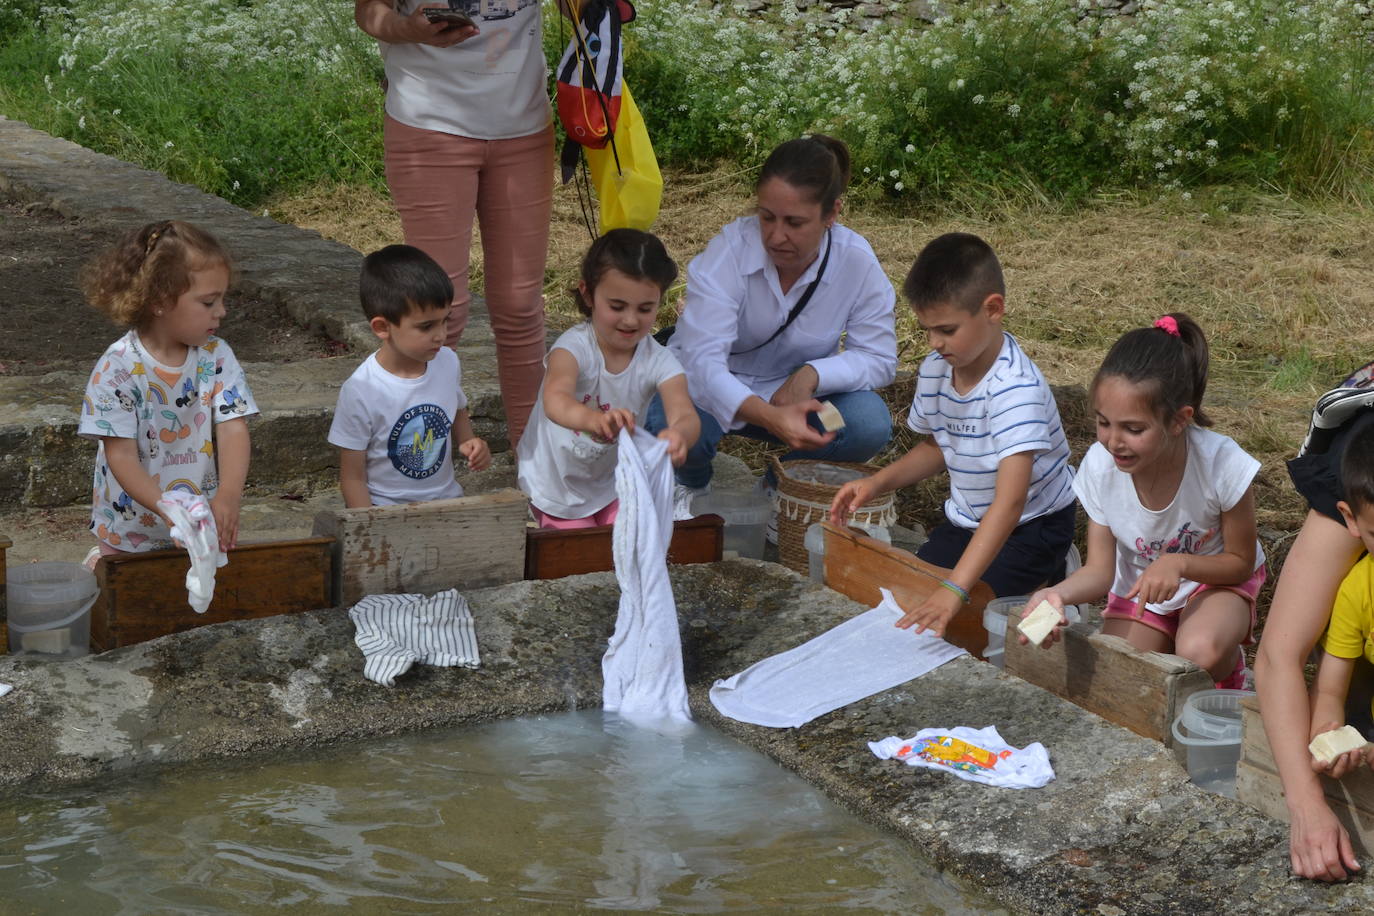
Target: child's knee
{"x":1206,"y":650}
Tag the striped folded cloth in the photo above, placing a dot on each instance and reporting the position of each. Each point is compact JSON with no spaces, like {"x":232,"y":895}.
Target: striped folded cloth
{"x":396,"y":631}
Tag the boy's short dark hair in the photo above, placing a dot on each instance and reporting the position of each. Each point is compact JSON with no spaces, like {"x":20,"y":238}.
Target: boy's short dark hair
{"x":957,"y":269}
{"x":398,"y":279}
{"x":1357,"y":470}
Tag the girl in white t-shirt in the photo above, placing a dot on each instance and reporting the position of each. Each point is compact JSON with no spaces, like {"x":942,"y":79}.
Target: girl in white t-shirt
{"x":600,"y":377}
{"x":1171,"y":508}
{"x":167,"y":401}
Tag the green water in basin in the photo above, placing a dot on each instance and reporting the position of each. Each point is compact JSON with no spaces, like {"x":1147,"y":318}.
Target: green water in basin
{"x":559,"y":813}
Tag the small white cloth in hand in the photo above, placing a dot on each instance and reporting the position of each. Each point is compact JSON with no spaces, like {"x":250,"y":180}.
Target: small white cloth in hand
{"x":975,"y":754}
{"x":193,"y":526}
{"x":396,"y":631}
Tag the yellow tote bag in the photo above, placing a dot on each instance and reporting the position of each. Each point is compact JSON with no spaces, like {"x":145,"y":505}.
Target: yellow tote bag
{"x":629,"y":196}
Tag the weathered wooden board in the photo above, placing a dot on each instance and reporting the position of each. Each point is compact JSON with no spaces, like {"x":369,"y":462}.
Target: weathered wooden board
{"x":143,"y":595}
{"x":5,"y":544}
{"x":1142,"y":691}
{"x":551,"y":554}
{"x":463,"y":543}
{"x":1258,"y":784}
{"x":857,"y":565}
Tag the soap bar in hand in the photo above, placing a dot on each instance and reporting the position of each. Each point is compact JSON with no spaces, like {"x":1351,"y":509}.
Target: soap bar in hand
{"x":1327,"y":746}
{"x":1040,"y":622}
{"x":830,"y":417}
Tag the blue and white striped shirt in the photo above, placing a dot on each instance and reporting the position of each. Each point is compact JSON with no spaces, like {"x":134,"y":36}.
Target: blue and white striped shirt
{"x":1011,"y":410}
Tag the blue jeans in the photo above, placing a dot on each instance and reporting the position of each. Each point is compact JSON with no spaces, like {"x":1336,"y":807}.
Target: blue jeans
{"x":867,"y":427}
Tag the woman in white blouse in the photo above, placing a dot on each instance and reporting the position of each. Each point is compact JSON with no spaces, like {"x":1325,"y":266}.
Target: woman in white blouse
{"x":756,"y":364}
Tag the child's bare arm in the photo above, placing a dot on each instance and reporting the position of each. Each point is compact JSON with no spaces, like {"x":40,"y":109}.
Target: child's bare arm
{"x":473,"y":448}
{"x":924,"y":460}
{"x":684,"y":426}
{"x":1329,"y":692}
{"x":561,"y":404}
{"x":1001,"y":518}
{"x":232,"y":450}
{"x":122,"y":457}
{"x":353,"y":478}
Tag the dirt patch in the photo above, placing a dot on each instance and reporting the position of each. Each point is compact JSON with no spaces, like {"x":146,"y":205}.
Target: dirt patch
{"x":48,"y":325}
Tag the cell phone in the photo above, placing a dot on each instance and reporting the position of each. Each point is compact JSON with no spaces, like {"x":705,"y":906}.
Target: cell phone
{"x":455,"y":18}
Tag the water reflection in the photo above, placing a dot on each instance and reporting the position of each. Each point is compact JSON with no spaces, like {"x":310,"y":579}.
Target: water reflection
{"x":561,"y":813}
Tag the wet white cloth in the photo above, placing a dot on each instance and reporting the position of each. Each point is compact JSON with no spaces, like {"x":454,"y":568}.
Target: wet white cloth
{"x":642,"y":667}
{"x":860,"y":657}
{"x":193,"y":526}
{"x":396,"y":631}
{"x":975,"y":754}
{"x":4,"y":689}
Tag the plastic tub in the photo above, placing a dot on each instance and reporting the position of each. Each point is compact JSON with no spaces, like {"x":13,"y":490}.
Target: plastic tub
{"x":745,"y":514}
{"x":50,"y":608}
{"x":995,"y":622}
{"x":1209,"y":727}
{"x":815,"y":546}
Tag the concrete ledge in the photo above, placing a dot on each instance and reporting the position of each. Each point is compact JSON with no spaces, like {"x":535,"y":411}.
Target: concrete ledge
{"x":1120,"y":831}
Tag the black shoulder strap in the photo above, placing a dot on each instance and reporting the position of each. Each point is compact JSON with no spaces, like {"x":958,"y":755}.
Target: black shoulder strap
{"x":801,"y":303}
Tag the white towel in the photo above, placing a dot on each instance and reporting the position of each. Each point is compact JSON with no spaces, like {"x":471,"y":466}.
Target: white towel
{"x":642,"y":667}
{"x":193,"y":525}
{"x":860,"y":657}
{"x":975,"y":754}
{"x":396,"y":631}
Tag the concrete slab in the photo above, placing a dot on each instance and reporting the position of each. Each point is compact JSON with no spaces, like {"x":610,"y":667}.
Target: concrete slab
{"x":1120,"y":831}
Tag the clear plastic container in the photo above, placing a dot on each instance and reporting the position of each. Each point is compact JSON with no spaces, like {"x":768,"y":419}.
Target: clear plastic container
{"x":1002,"y":613}
{"x":1209,"y":727}
{"x":50,"y":608}
{"x":745,"y":514}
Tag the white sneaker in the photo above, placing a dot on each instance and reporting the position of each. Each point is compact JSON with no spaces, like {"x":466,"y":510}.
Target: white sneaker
{"x":682,"y":500}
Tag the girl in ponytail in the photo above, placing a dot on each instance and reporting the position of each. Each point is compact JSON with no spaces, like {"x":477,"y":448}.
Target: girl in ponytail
{"x":1171,"y":509}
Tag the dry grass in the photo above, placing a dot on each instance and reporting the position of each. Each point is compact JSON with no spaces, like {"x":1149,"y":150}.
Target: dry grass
{"x":1284,"y":289}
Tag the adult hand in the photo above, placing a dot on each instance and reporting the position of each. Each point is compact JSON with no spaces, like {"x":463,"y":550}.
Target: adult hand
{"x":934,"y":613}
{"x":1159,"y":581}
{"x":417,"y":28}
{"x":1318,"y":846}
{"x":477,"y":453}
{"x":788,"y":422}
{"x":1343,"y":763}
{"x":1056,"y":602}
{"x":800,"y":386}
{"x":677,"y":446}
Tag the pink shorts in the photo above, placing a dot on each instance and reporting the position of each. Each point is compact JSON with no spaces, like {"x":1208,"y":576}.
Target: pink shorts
{"x":605,"y":516}
{"x":1121,"y":609}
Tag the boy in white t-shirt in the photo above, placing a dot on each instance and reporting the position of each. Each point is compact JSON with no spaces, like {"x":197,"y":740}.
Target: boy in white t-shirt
{"x":399,"y":410}
{"x":992,"y":424}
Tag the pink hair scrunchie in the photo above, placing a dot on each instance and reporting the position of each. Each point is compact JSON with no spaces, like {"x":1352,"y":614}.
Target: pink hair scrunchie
{"x":1168,"y":325}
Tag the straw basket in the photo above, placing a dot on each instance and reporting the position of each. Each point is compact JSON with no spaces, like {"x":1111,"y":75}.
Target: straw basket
{"x":805,"y":490}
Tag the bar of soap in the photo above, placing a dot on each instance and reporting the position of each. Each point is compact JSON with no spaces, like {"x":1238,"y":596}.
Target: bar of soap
{"x":1038,"y":623}
{"x":1327,"y":746}
{"x":49,"y":642}
{"x":830,"y":417}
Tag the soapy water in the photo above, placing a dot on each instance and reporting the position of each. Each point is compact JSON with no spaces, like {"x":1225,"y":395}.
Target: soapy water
{"x":557,"y":813}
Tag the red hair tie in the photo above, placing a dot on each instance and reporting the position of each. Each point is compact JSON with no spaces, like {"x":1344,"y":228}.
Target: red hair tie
{"x":1168,"y":325}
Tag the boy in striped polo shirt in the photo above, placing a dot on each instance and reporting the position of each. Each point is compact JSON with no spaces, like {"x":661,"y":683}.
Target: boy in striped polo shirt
{"x":993,"y":425}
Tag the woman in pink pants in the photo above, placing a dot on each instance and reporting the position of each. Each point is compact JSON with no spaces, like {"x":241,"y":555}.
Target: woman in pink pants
{"x":469,"y":132}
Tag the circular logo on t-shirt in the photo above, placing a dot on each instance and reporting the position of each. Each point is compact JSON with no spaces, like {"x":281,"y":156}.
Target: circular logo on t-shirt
{"x":419,"y":441}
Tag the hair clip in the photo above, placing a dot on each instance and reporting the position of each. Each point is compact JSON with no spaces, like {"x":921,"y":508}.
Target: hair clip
{"x":152,"y":240}
{"x":1168,"y":324}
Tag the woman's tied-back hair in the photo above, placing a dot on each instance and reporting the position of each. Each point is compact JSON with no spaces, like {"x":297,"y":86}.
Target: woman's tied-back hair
{"x":638,"y":255}
{"x":1168,"y":361}
{"x":957,"y":269}
{"x":148,"y":269}
{"x":1357,"y":470}
{"x":816,"y":164}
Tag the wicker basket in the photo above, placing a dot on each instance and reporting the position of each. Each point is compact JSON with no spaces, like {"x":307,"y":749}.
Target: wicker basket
{"x":801,"y":501}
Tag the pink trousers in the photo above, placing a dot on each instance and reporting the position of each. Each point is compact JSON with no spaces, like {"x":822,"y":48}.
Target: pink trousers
{"x":604,"y":516}
{"x":439,"y":182}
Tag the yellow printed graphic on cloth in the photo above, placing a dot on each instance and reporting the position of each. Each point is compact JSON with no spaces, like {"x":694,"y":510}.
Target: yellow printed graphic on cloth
{"x":952,"y":752}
